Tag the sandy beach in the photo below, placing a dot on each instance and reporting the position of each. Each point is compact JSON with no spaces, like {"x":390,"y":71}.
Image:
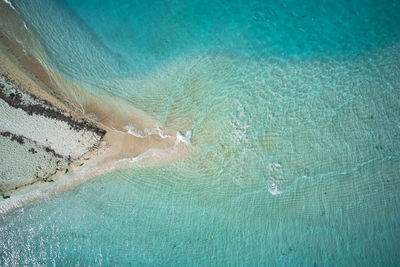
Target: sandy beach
{"x":77,"y":140}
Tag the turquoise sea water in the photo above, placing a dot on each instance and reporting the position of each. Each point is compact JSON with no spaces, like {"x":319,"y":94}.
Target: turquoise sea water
{"x":295,"y":114}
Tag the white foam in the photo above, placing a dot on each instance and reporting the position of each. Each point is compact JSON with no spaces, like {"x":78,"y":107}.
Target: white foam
{"x":140,"y":157}
{"x":276,"y":181}
{"x":183,"y":138}
{"x":146,"y":132}
{"x":161,"y":133}
{"x":21,"y":43}
{"x":10,"y":4}
{"x":274,"y":187}
{"x":133,"y":131}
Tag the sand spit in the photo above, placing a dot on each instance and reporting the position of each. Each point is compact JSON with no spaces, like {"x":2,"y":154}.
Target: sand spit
{"x":54,"y":136}
{"x":59,"y":152}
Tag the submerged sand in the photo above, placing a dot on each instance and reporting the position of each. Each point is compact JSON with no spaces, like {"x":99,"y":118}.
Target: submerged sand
{"x":131,"y":136}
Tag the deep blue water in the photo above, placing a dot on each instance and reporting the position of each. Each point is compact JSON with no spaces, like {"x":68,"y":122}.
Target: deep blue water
{"x":296,"y":128}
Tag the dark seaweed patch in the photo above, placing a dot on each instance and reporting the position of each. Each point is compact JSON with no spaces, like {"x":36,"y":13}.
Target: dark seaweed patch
{"x":45,"y":109}
{"x":14,"y":137}
{"x":5,"y":134}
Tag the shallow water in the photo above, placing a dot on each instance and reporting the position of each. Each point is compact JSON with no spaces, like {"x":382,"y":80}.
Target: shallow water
{"x":296,"y":132}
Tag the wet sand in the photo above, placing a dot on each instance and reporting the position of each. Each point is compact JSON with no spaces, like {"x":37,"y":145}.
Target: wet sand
{"x":131,"y":136}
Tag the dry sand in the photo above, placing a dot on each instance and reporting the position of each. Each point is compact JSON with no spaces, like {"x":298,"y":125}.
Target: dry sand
{"x":132,"y":137}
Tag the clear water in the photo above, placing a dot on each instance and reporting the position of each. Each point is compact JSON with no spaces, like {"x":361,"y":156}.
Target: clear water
{"x":296,"y":128}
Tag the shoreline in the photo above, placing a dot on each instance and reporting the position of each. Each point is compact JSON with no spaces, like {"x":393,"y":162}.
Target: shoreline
{"x":118,"y":133}
{"x":37,"y":138}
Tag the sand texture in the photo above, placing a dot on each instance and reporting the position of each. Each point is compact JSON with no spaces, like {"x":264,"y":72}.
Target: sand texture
{"x":37,"y":139}
{"x":54,"y":135}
